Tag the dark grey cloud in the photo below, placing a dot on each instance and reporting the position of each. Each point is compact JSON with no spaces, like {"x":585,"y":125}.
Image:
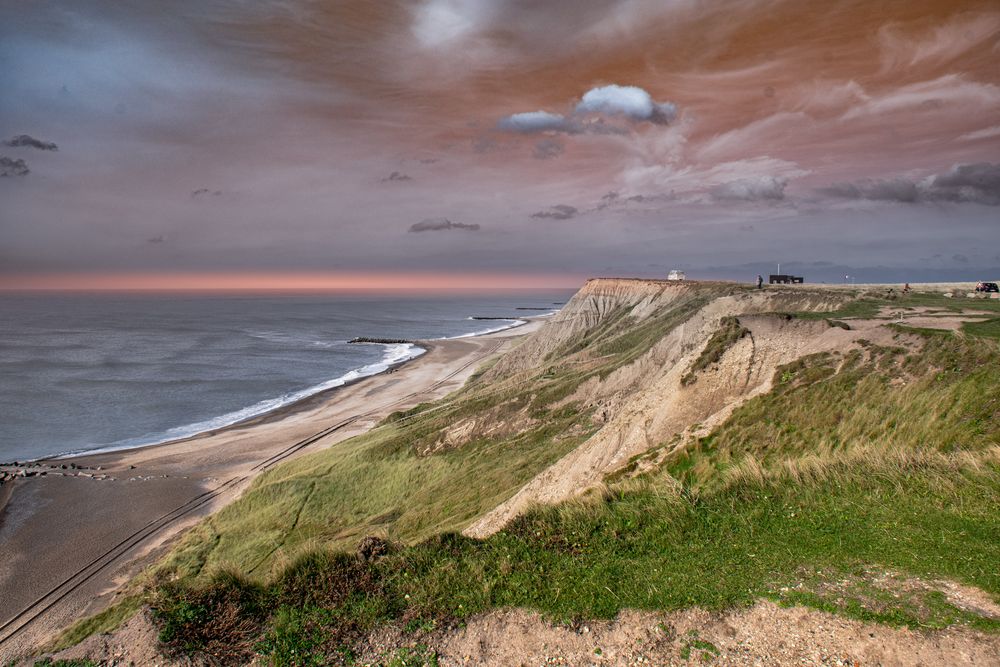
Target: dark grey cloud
{"x":898,"y":190}
{"x":27,"y":141}
{"x":156,"y":239}
{"x":396,"y":177}
{"x":960,"y":258}
{"x":557,"y":212}
{"x":977,"y":183}
{"x":13,"y":167}
{"x":609,"y":199}
{"x":764,"y":188}
{"x":546,"y":149}
{"x":205,"y":192}
{"x":440,"y":225}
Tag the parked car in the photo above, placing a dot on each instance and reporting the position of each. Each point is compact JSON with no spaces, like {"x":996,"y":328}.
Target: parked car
{"x":987,"y":287}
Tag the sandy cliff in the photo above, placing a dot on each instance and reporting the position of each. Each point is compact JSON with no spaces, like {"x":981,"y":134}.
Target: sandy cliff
{"x":644,"y":404}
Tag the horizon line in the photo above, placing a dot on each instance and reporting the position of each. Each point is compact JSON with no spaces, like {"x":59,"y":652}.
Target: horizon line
{"x":315,"y":281}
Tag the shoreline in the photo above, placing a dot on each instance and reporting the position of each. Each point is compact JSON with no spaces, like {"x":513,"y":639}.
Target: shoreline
{"x":276,"y":414}
{"x":53,"y":527}
{"x":280,"y":411}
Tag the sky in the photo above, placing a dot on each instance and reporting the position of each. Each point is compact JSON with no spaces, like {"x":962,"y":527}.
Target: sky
{"x":496,"y":142}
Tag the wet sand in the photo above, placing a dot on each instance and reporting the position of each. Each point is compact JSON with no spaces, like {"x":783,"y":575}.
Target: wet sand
{"x":69,"y":538}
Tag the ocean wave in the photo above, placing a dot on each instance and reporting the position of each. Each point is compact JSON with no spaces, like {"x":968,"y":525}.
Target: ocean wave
{"x":483,"y":332}
{"x":394,"y":354}
{"x":286,"y":339}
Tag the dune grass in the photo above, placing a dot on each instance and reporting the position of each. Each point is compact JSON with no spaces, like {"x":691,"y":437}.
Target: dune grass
{"x":373,"y":484}
{"x":881,"y":460}
{"x":868,"y":305}
{"x":105,"y":621}
{"x":852,"y":487}
{"x":404,"y":480}
{"x":985,"y":329}
{"x":643,"y":546}
{"x":944,"y":397}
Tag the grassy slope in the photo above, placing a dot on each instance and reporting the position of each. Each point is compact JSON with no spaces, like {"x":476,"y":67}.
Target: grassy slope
{"x":859,"y":464}
{"x":384,"y":482}
{"x":944,"y":398}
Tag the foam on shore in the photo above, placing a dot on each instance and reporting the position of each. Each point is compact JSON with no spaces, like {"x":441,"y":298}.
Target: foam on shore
{"x":394,"y":355}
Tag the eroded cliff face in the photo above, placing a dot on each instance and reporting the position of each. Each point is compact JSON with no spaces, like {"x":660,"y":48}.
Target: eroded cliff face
{"x":643,"y":403}
{"x":598,"y":301}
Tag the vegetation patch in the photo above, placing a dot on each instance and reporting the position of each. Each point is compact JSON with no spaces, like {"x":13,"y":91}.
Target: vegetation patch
{"x":986,"y":329}
{"x":641,"y":547}
{"x":881,"y":597}
{"x":854,"y":466}
{"x":694,"y":647}
{"x":884,"y":459}
{"x":105,"y":621}
{"x":729,"y":332}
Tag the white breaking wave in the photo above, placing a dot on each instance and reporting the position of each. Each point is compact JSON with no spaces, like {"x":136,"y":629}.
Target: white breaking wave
{"x":513,"y":323}
{"x":394,"y":354}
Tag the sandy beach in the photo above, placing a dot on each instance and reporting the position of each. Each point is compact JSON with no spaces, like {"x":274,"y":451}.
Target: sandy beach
{"x":70,"y":537}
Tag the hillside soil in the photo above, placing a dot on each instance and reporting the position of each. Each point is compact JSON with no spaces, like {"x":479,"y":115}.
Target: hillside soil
{"x":765,"y":634}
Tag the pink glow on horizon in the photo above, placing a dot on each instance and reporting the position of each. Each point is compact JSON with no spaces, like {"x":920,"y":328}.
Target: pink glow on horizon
{"x":259,"y":281}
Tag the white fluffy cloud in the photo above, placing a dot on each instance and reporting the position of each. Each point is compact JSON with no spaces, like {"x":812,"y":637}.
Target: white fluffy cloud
{"x":630,"y":101}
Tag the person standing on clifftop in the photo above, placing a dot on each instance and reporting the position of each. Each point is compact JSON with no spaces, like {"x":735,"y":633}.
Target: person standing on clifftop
{"x":760,"y":281}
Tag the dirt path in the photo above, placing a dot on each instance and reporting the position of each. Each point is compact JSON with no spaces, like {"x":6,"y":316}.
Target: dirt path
{"x":764,"y":634}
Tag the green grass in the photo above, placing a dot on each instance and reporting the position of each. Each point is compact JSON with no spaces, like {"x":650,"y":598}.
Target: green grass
{"x":643,"y":547}
{"x":868,"y":305}
{"x":788,"y":499}
{"x":373,"y":484}
{"x":884,"y":459}
{"x":105,"y":621}
{"x":946,"y":397}
{"x":693,"y":646}
{"x":987,"y":329}
{"x":403,"y":480}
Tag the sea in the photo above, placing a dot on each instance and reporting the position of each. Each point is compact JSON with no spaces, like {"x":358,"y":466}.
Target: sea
{"x":100,"y":372}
